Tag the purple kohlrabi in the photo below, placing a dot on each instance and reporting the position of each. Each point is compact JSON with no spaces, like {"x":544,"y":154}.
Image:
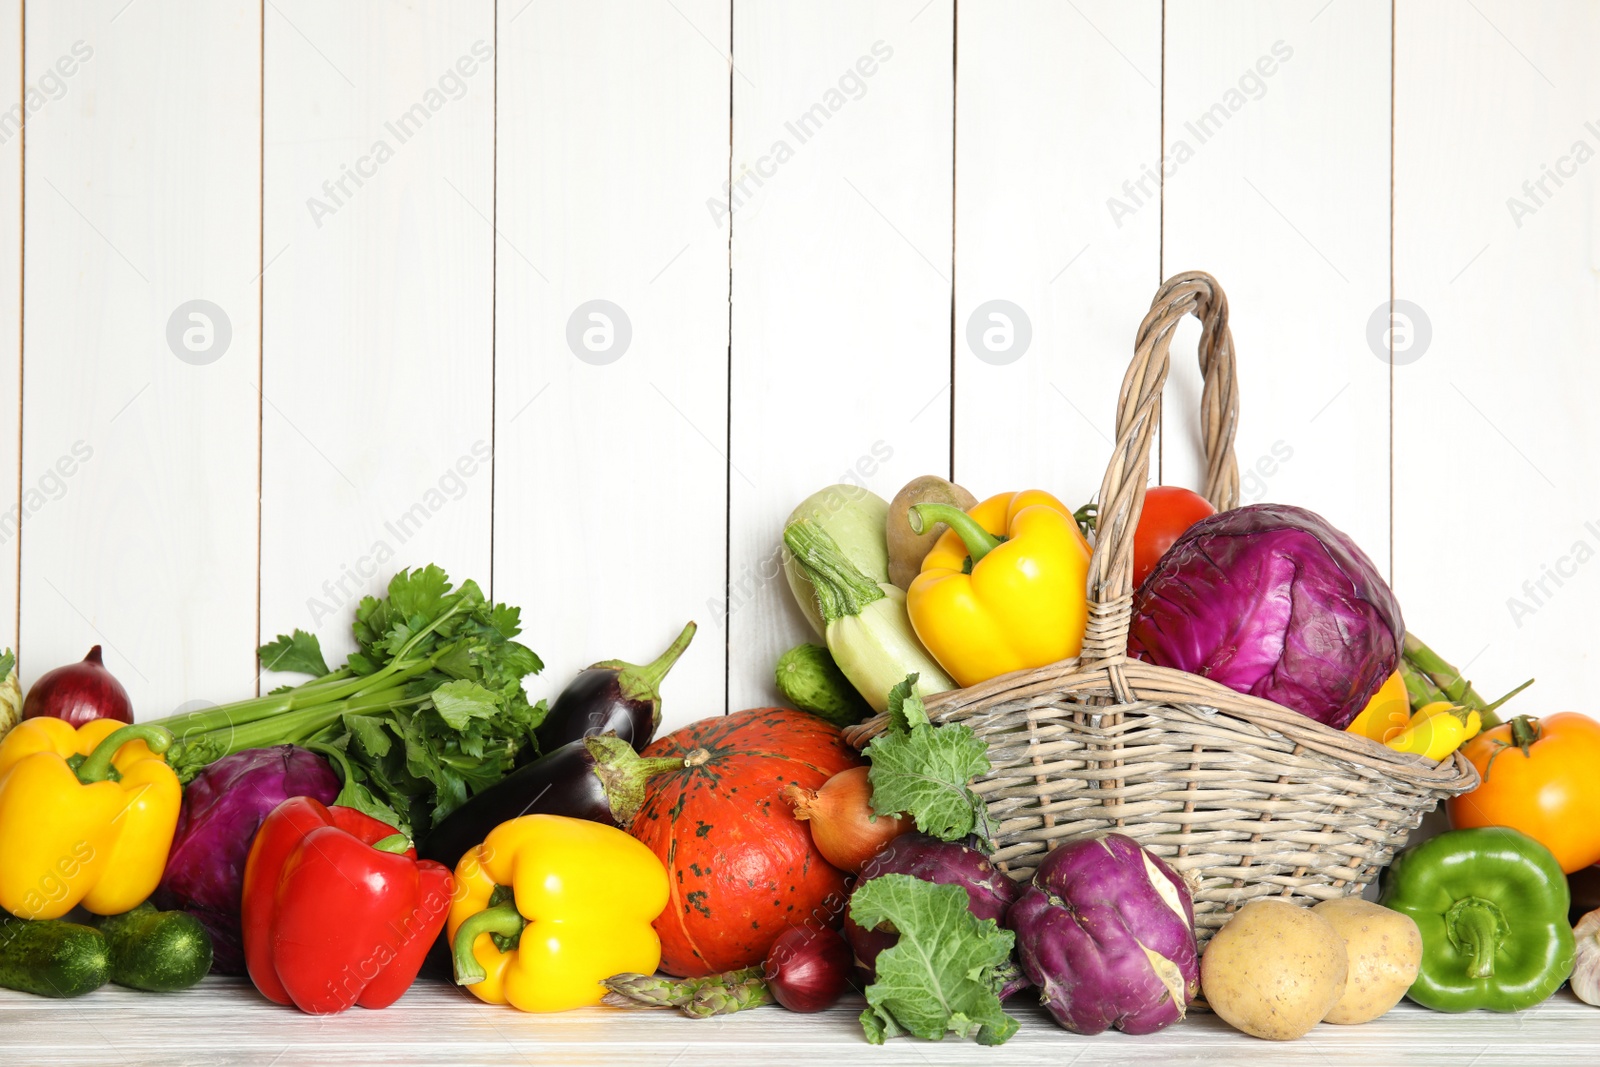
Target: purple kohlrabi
{"x":1106,"y":931}
{"x":222,"y":809}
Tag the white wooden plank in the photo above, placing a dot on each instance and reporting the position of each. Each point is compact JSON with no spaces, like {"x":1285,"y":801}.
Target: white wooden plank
{"x":225,"y":1021}
{"x":11,"y":473}
{"x":1058,"y":106}
{"x":1277,"y":136}
{"x":143,"y":178}
{"x":1496,"y":244}
{"x":611,"y":473}
{"x":377,"y":376}
{"x":841,"y":280}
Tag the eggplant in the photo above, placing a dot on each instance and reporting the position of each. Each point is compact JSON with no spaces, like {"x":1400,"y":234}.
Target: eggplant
{"x":612,"y":697}
{"x":601,"y":779}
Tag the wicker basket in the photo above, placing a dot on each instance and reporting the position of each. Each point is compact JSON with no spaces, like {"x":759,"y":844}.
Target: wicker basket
{"x":1245,"y":797}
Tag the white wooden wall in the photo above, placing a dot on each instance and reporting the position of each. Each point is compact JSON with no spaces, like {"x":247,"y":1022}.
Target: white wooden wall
{"x":791,"y":213}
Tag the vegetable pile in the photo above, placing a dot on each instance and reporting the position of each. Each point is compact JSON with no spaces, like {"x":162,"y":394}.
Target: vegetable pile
{"x":551,"y":854}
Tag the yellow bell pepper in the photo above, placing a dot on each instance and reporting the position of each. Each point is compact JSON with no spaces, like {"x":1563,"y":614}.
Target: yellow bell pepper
{"x":1004,"y":588}
{"x":578,"y":897}
{"x":86,"y":816}
{"x":1437,"y":730}
{"x":1386,"y":714}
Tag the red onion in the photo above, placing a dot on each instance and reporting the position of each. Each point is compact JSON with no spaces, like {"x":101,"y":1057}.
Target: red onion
{"x":79,"y":693}
{"x":808,"y":969}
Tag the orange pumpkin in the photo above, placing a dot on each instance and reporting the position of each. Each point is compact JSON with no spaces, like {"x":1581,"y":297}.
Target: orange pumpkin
{"x":1540,"y":776}
{"x":742,"y":869}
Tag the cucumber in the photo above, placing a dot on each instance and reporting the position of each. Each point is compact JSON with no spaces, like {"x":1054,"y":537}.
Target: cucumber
{"x":52,"y":958}
{"x":810,"y":680}
{"x":160,"y":951}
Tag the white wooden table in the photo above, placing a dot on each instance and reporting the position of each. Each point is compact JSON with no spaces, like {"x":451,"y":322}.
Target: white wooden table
{"x":226,"y":1022}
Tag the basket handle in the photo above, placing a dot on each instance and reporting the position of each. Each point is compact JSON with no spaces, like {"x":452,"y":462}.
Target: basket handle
{"x":1138,"y":412}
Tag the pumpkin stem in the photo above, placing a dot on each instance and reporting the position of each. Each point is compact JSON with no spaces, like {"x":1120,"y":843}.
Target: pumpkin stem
{"x":698,"y":758}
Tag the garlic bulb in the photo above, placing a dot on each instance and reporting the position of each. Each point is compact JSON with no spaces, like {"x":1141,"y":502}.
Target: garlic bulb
{"x":1586,"y":963}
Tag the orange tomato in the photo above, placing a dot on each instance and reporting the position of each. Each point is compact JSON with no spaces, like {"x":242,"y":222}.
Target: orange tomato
{"x":1540,"y":776}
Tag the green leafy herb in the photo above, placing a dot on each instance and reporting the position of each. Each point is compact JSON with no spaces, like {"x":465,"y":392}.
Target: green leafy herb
{"x":924,"y":770}
{"x":427,"y":712}
{"x":298,"y":653}
{"x":943,"y":975}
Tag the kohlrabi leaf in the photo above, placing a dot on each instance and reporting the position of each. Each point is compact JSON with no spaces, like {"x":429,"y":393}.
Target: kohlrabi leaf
{"x":924,"y":770}
{"x":942,"y":975}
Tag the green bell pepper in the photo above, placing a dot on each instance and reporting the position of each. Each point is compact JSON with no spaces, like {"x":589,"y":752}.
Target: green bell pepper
{"x":1491,"y":904}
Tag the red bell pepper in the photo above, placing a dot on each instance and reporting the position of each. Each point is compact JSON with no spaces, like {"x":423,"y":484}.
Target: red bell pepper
{"x":337,"y":909}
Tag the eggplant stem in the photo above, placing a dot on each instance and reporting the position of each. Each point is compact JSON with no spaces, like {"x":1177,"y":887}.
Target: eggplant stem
{"x":649,"y":676}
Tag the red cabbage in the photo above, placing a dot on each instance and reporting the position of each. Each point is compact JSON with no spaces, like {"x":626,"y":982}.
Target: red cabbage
{"x":222,"y":809}
{"x":1272,"y":601}
{"x":1106,"y":931}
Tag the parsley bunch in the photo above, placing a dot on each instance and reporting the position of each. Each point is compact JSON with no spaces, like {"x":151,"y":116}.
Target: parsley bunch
{"x":427,"y":712}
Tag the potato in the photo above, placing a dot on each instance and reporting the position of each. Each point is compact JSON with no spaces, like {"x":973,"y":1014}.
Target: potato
{"x":1274,"y":971}
{"x":906,"y":549}
{"x":1383,"y":949}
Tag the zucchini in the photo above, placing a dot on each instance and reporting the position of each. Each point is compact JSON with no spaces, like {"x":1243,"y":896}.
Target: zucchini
{"x":160,"y":951}
{"x":854,"y":519}
{"x":52,"y":958}
{"x":868,"y":631}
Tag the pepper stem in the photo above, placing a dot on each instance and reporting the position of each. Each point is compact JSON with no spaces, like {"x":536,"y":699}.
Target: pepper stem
{"x":502,"y":919}
{"x":393,"y":843}
{"x":979,"y":542}
{"x":97,"y":767}
{"x":1476,"y":927}
{"x":623,"y":773}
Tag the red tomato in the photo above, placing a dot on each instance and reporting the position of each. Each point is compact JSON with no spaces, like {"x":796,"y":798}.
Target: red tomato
{"x":1169,"y":510}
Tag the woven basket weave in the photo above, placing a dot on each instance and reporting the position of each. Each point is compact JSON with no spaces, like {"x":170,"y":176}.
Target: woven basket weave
{"x":1246,"y":797}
